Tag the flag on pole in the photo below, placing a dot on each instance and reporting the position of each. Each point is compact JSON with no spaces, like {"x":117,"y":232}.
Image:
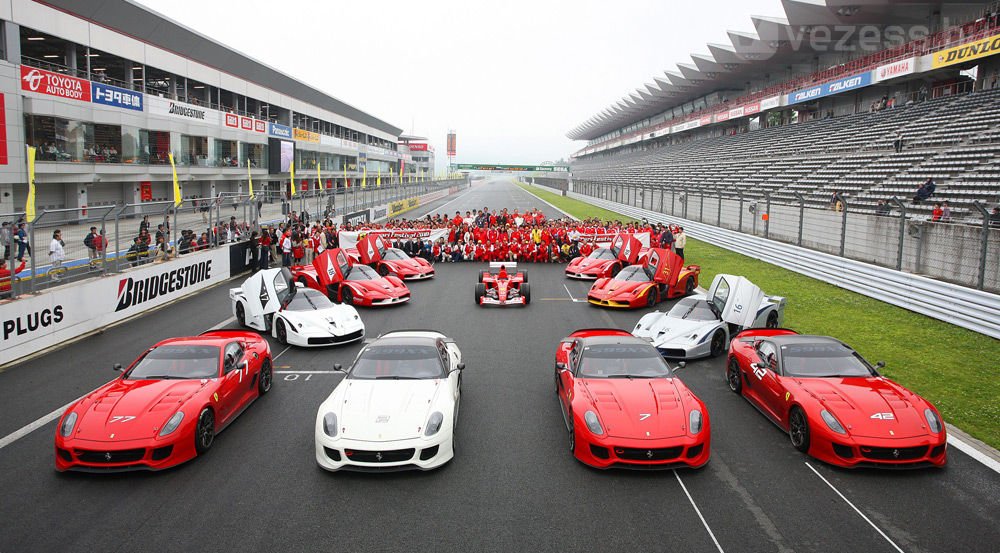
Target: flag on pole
{"x":291,"y":169}
{"x":177,"y":186}
{"x":319,"y":179}
{"x":250,"y":179}
{"x":378,"y":180}
{"x":345,"y":175}
{"x":401,"y":172}
{"x":364,"y":178}
{"x":29,"y":205}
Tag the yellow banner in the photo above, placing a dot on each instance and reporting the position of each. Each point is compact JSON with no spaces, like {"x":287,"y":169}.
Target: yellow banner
{"x":291,"y":169}
{"x":966,"y":52}
{"x":250,"y":179}
{"x":345,"y":175}
{"x":307,"y":136}
{"x":364,"y":178}
{"x":378,"y":180}
{"x":177,"y":186}
{"x":319,"y":179}
{"x":29,"y":205}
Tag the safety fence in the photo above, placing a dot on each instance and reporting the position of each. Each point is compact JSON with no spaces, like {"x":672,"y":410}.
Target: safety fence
{"x":966,"y":253}
{"x":960,"y":305}
{"x":110,"y":239}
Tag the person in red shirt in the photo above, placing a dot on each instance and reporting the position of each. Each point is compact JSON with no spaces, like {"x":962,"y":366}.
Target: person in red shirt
{"x":936,"y":213}
{"x":436,"y":251}
{"x":585,"y":249}
{"x":5,"y":278}
{"x":515,"y":251}
{"x":480,"y":252}
{"x":469,"y":251}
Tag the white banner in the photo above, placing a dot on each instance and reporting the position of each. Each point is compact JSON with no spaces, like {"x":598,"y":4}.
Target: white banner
{"x":896,"y":69}
{"x":30,"y":324}
{"x":349,"y":239}
{"x":179,"y":111}
{"x":603,"y":239}
{"x":770,"y":103}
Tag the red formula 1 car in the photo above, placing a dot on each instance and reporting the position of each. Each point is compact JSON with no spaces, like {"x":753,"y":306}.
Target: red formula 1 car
{"x":833,"y":403}
{"x":507,"y":287}
{"x":623,"y":406}
{"x":606,"y":262}
{"x":168,"y":406}
{"x":336,"y":275}
{"x":662,"y":275}
{"x":378,"y":253}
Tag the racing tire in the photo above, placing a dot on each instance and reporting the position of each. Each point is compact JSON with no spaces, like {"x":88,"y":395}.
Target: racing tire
{"x":524,"y":276}
{"x":572,"y":438}
{"x":689,"y":286}
{"x":303,"y":281}
{"x":733,"y":376}
{"x":651,"y":299}
{"x":347,"y":296}
{"x":265,"y":378}
{"x":772,"y":320}
{"x":280,"y":332}
{"x":383,"y":271}
{"x":241,"y":315}
{"x":204,"y":431}
{"x":718,"y":343}
{"x":526,"y":292}
{"x":481,"y":274}
{"x":480,"y":292}
{"x":798,"y":430}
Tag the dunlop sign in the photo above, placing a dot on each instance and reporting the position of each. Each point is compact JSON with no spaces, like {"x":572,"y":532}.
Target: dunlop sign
{"x":966,"y":52}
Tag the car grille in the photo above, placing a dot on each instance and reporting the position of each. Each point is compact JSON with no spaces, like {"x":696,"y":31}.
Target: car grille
{"x":162,"y":453}
{"x":392,"y":456}
{"x":894,"y":453}
{"x":336,"y":339}
{"x":844,"y":451}
{"x":608,"y":303}
{"x":109,"y":457}
{"x":672,"y":352}
{"x":428,"y":453}
{"x":695,"y":451}
{"x":599,"y":452}
{"x":333,"y":454}
{"x":661,"y":454}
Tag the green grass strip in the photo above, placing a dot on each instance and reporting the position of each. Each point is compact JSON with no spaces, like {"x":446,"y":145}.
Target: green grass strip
{"x":954,"y":368}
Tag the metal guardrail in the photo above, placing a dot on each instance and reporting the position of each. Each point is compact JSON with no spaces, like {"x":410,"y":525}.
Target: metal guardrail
{"x":965,"y":307}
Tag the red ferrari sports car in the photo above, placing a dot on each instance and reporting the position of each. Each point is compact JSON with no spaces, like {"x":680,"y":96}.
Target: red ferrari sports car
{"x":504,"y":288}
{"x":168,"y":406}
{"x":662,"y":276}
{"x":378,"y":253}
{"x":336,"y":275}
{"x":623,"y":406}
{"x":834,"y":404}
{"x":606,"y":262}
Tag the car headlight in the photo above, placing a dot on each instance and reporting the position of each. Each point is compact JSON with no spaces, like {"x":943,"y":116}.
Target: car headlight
{"x":694,"y":421}
{"x":932,"y":420}
{"x":172,"y":424}
{"x":593,"y":423}
{"x":330,"y":425}
{"x":832,"y":422}
{"x":66,"y":428}
{"x":434,"y":423}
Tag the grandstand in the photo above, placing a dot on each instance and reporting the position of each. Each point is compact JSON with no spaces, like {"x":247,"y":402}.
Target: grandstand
{"x":683,"y":134}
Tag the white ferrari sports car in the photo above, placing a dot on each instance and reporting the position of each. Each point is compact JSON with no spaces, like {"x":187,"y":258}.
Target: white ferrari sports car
{"x":396,"y":408}
{"x":700,"y":326}
{"x":270,"y":301}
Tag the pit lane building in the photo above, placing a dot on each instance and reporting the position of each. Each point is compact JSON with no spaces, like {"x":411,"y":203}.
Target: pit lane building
{"x":106,"y":89}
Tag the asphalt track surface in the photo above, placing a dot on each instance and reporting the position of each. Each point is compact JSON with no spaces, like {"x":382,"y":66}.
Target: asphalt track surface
{"x":513,"y":485}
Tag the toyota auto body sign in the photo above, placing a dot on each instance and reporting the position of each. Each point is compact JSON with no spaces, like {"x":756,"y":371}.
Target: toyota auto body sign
{"x":54,"y":84}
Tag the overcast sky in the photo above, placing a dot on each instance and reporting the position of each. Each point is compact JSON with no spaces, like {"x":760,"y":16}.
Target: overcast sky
{"x":510,"y":77}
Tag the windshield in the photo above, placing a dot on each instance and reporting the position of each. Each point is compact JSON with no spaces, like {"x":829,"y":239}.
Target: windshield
{"x":634,"y":273}
{"x":693,"y":309}
{"x":398,"y":362}
{"x":822,"y":360}
{"x":601,"y":253}
{"x":393,"y":254}
{"x":180,"y":362}
{"x":622,"y":361}
{"x":362,"y":272}
{"x":308,"y":299}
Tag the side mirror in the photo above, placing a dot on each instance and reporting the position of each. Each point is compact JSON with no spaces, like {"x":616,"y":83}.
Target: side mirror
{"x":561,"y":366}
{"x":680,"y":365}
{"x":117,"y":367}
{"x":461,"y":366}
{"x":880,"y":365}
{"x":338,"y":368}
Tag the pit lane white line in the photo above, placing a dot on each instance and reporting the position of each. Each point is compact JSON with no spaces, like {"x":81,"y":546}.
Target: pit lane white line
{"x":848,"y":501}
{"x":307,"y":372}
{"x":971,"y":451}
{"x":32,"y":426}
{"x":571,"y":295}
{"x":698,"y":511}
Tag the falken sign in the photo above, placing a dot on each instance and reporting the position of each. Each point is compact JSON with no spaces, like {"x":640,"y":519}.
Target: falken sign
{"x":846,"y":84}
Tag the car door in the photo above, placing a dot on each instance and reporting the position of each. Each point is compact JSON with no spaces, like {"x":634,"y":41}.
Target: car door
{"x":567,"y":379}
{"x":767,"y":384}
{"x":736,"y":299}
{"x":235,"y":381}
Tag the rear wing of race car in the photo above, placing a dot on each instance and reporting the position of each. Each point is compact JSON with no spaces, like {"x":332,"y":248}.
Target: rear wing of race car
{"x":511,"y":266}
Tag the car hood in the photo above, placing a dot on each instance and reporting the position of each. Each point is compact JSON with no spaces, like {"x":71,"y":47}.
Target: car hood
{"x":408,"y":266}
{"x":384,"y":410}
{"x":612,"y":289}
{"x":869,"y":407}
{"x":585,"y":265}
{"x":623,"y":406}
{"x":662,"y":329}
{"x":379,"y":288}
{"x":342,"y":315}
{"x":133,"y":409}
